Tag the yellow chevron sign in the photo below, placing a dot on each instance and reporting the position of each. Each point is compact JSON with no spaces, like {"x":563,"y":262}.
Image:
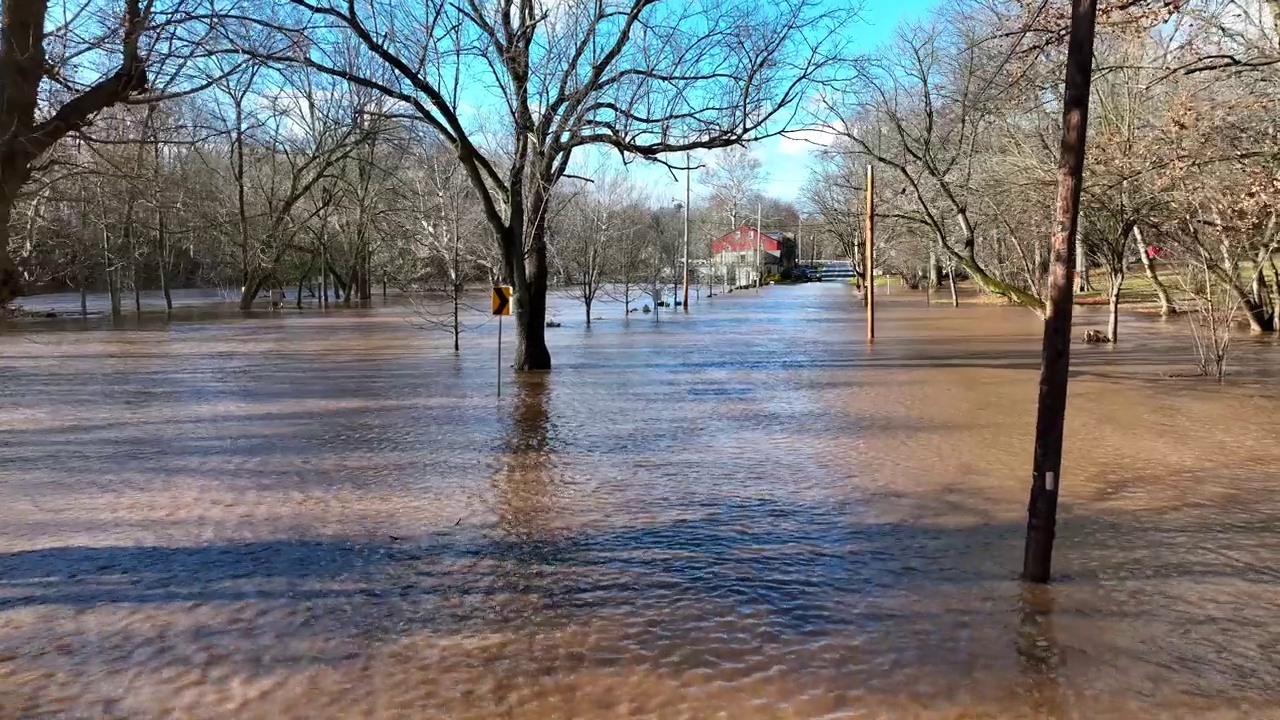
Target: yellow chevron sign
{"x":502,"y":300}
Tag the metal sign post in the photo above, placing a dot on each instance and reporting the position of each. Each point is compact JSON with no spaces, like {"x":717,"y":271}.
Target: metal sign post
{"x":501,"y":307}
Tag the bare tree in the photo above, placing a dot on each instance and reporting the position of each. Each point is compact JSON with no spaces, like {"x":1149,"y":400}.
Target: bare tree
{"x":446,"y":237}
{"x":644,"y":77}
{"x":1214,"y":310}
{"x":589,"y":232}
{"x":733,"y":178}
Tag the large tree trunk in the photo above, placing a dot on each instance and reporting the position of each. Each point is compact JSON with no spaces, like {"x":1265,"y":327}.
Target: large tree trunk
{"x":531,"y":295}
{"x":1149,"y":266}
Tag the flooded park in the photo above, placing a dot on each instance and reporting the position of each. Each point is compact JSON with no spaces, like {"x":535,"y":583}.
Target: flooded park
{"x":742,"y":512}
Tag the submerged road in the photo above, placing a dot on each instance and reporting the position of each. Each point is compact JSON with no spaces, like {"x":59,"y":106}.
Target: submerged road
{"x":744,"y":512}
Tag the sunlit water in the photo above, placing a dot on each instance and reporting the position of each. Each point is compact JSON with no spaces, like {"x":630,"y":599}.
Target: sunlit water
{"x":742,"y":513}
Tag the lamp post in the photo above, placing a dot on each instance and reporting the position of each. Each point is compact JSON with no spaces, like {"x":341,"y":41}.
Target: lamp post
{"x":759,"y":268}
{"x":687,"y":191}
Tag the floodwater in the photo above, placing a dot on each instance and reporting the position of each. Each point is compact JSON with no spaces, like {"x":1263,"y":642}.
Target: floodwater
{"x":740,"y":513}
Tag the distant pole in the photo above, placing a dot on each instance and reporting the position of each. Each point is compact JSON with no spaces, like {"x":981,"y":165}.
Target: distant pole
{"x":868,"y":258}
{"x":1046,"y":466}
{"x":799,"y":239}
{"x":686,"y":231}
{"x":499,"y":356}
{"x":758,"y":267}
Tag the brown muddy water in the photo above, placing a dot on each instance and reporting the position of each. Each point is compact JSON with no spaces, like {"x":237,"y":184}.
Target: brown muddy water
{"x":742,"y":513}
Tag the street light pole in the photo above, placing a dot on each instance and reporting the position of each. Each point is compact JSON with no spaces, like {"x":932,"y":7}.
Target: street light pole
{"x":686,"y":231}
{"x":868,"y":259}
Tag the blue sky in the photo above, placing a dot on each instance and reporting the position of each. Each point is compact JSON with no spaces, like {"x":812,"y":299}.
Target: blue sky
{"x":787,"y":162}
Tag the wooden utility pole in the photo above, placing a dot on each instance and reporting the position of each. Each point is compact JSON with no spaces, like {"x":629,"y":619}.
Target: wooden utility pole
{"x":868,"y":257}
{"x":1050,"y":413}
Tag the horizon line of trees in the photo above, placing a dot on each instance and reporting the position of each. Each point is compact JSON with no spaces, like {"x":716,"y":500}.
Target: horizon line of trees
{"x":248,"y":145}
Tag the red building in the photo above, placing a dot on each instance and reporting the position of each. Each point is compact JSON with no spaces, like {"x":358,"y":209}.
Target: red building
{"x":737,"y":250}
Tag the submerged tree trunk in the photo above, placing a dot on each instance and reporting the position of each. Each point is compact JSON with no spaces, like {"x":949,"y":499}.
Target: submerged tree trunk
{"x":1113,"y":319}
{"x":1153,"y":277}
{"x":164,"y":286}
{"x":1082,"y":268}
{"x":302,"y":279}
{"x":457,"y":322}
{"x":341,"y":288}
{"x":113,"y":284}
{"x":352,"y":286}
{"x":251,"y":290}
{"x":1275,"y":285}
{"x":1260,"y":320}
{"x":586,"y":301}
{"x":10,"y":280}
{"x":84,"y":301}
{"x":531,"y":294}
{"x":951,"y":280}
{"x":162,"y":231}
{"x":324,"y":279}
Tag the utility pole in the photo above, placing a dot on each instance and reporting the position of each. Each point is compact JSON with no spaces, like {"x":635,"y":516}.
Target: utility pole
{"x":1046,"y":466}
{"x":686,"y":231}
{"x":868,"y":258}
{"x":758,"y":273}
